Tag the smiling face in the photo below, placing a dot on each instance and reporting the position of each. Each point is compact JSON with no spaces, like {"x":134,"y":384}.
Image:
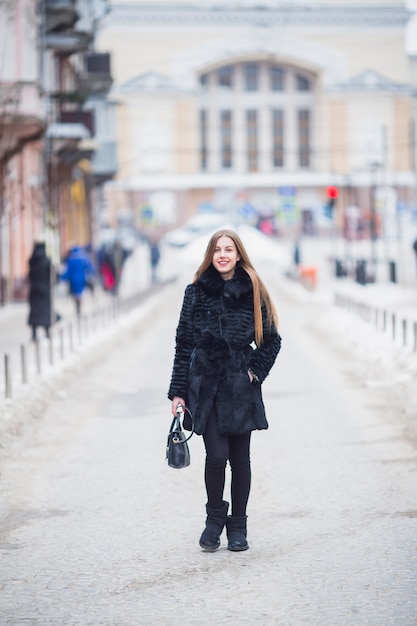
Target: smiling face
{"x":225,"y":257}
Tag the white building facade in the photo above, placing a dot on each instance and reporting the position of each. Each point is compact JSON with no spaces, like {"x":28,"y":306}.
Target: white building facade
{"x":258,"y":108}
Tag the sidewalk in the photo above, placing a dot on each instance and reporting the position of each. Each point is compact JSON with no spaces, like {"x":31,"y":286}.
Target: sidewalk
{"x":15,"y":332}
{"x":136,"y":277}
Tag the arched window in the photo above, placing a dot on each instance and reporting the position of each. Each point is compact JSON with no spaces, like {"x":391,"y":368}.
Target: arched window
{"x":251,"y":71}
{"x":256,"y":117}
{"x":303,"y":83}
{"x":276,"y":75}
{"x":225,"y":76}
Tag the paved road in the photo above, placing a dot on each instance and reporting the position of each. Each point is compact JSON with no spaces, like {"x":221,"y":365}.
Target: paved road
{"x":97,"y":530}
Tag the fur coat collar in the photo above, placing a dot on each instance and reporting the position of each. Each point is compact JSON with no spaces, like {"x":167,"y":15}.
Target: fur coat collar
{"x":212,"y":283}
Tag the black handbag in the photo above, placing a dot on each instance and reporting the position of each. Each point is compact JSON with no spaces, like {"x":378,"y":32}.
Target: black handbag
{"x":178,"y":452}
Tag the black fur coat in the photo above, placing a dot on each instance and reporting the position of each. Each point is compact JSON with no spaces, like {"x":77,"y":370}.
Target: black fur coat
{"x":214,"y":350}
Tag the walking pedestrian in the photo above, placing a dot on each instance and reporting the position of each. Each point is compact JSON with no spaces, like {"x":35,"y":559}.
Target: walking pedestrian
{"x":78,"y":268}
{"x":297,"y":254}
{"x":226,"y":343}
{"x":39,"y":289}
{"x":155,"y":257}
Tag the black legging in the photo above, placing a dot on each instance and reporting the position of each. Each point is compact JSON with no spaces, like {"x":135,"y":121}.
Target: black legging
{"x":219,"y":450}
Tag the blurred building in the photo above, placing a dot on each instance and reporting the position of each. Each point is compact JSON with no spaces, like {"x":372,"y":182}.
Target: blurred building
{"x":57,"y":133}
{"x":257,"y":107}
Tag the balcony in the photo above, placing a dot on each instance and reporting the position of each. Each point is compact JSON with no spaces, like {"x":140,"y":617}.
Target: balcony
{"x":86,"y":118}
{"x":60,"y":15}
{"x":98,"y":67}
{"x":70,"y":137}
{"x":104,"y":160}
{"x":68,"y":43}
{"x":22,"y":118}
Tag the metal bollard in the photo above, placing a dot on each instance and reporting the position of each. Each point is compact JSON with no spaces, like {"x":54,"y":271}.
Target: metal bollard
{"x":415,"y":336}
{"x":24,"y":365}
{"x":38,"y":356}
{"x":51,"y":351}
{"x":79,"y":328}
{"x":71,"y":337}
{"x":61,"y":343}
{"x":393,"y":325}
{"x":7,"y":376}
{"x":404,"y":326}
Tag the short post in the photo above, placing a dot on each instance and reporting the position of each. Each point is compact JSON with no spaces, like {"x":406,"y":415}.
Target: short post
{"x":384,"y":320}
{"x":393,"y":325}
{"x":71,"y":337}
{"x":38,"y":356}
{"x":51,"y":351}
{"x":61,"y":343}
{"x":404,"y":326}
{"x":7,"y":375}
{"x":24,"y":365}
{"x":79,"y":328}
{"x":415,"y":336}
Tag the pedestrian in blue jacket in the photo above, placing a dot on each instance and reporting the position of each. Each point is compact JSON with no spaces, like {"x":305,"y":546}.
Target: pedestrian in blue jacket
{"x":78,"y":268}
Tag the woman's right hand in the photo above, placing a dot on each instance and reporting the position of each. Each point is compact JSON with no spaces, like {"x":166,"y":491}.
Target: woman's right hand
{"x":176,"y":400}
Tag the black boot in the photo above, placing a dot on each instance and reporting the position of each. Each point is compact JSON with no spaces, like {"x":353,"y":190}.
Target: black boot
{"x":236,"y":533}
{"x":215,"y":522}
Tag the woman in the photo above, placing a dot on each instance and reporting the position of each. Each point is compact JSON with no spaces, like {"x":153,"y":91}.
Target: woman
{"x":39,"y":290}
{"x":218,"y":373}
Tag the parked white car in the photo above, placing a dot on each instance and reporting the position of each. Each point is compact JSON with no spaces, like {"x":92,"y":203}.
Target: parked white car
{"x":202,"y":224}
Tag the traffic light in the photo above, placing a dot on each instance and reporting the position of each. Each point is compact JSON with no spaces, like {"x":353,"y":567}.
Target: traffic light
{"x":332,"y":193}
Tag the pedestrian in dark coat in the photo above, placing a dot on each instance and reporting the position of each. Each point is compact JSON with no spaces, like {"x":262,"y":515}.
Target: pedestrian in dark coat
{"x":226,"y":343}
{"x":155,"y":257}
{"x":39,"y":290}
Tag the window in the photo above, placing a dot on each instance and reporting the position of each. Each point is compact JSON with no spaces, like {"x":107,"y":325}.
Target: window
{"x":303,"y":83}
{"x":252,"y":140}
{"x":225,"y":76}
{"x":262,"y":108}
{"x":304,"y":138}
{"x":203,"y":140}
{"x":278,"y":138}
{"x":226,"y":138}
{"x":251,"y":76}
{"x":276,"y":75}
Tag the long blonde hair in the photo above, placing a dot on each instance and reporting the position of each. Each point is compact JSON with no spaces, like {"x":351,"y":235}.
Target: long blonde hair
{"x":260,"y":292}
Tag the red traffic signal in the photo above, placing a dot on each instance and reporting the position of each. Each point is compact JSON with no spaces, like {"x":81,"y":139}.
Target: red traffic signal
{"x":332,"y":192}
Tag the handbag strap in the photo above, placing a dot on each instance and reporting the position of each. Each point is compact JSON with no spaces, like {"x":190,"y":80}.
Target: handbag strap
{"x":176,"y":422}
